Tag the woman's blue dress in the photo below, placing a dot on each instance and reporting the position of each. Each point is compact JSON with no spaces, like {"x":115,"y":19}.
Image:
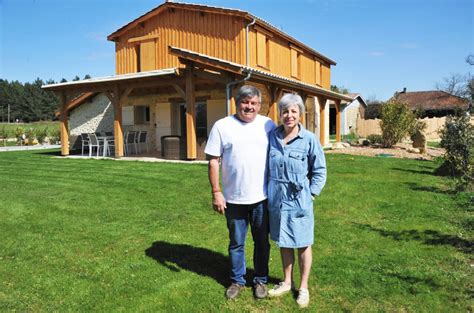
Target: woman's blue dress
{"x":297,"y":172}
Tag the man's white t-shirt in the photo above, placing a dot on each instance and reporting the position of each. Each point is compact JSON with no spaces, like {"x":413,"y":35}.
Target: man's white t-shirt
{"x":243,"y":150}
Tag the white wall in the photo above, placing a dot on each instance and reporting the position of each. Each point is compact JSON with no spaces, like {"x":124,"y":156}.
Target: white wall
{"x":94,"y":116}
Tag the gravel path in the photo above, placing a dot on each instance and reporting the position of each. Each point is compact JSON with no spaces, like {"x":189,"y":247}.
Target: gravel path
{"x":398,"y":151}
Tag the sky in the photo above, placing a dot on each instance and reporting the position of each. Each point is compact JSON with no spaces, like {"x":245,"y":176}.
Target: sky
{"x":380,"y":46}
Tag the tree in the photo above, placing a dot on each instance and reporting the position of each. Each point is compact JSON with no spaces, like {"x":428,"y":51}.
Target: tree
{"x":456,"y":84}
{"x":397,"y":121}
{"x":457,"y":137}
{"x":339,"y":89}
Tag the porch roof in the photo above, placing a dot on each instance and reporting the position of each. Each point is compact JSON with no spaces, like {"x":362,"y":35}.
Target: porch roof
{"x":256,"y":74}
{"x":98,"y":82}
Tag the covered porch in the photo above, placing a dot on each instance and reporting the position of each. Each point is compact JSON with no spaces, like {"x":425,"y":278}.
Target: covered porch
{"x":184,"y":102}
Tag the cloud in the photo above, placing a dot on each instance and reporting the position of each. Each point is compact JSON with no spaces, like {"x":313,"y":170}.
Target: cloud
{"x":408,"y":45}
{"x":376,"y":53}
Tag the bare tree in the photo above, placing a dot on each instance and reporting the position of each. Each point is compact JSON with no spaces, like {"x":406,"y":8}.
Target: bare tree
{"x":456,"y":84}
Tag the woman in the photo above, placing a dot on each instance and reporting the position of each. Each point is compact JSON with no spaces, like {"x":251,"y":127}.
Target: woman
{"x":297,"y":173}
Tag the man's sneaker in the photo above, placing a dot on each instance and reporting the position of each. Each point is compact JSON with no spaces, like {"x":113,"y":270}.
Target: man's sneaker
{"x":233,"y":291}
{"x":260,"y":290}
{"x":303,"y":298}
{"x":279,"y":290}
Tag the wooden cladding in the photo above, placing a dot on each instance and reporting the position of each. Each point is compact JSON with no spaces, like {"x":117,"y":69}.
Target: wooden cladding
{"x":218,"y":35}
{"x":294,"y":64}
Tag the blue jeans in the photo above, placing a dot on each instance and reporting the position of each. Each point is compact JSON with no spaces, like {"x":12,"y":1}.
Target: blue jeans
{"x":238,"y":217}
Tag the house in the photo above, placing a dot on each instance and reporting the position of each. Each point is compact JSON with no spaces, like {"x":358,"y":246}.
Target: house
{"x":178,"y":67}
{"x":351,"y":111}
{"x":433,"y":103}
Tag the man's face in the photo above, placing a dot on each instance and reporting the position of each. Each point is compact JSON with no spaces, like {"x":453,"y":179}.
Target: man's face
{"x":248,"y":109}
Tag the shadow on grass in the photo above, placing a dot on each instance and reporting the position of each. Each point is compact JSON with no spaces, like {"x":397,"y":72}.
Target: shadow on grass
{"x":55,"y":152}
{"x":413,"y":171}
{"x":201,"y":261}
{"x":428,"y":237}
{"x":416,"y":187}
{"x":415,"y":280}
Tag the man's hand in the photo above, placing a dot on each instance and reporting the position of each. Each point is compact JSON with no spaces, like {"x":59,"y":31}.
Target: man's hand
{"x":218,"y":202}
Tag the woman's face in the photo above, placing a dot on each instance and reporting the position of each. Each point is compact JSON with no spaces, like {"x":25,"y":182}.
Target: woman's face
{"x":290,"y":117}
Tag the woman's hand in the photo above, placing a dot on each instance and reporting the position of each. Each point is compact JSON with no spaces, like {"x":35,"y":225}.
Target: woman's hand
{"x":218,"y":202}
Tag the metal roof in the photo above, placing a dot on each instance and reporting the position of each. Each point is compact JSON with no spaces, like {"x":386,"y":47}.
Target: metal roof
{"x":114,"y":78}
{"x":245,"y":69}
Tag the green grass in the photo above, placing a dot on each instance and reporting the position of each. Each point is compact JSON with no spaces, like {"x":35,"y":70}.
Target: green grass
{"x":434,"y":144}
{"x":104,"y":235}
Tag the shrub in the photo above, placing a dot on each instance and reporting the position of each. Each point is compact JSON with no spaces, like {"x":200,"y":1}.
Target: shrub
{"x":41,"y":134}
{"x":54,"y":135}
{"x":374,"y":139}
{"x":30,"y":136}
{"x":397,"y":121}
{"x":457,"y":137}
{"x":19,"y":134}
{"x":351,"y":138}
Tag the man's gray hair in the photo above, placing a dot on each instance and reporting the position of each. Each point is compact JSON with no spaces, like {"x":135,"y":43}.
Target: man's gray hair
{"x":289,"y":100}
{"x":247,"y":91}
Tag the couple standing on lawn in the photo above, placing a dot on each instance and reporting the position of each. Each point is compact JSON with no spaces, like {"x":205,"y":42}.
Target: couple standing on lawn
{"x":258,"y":160}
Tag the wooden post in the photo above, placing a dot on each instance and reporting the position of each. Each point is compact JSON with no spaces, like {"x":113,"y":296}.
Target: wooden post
{"x":322,"y":118}
{"x":273,"y":109}
{"x":191,"y":146}
{"x":338,"y":120}
{"x":117,"y":98}
{"x":64,"y":126}
{"x":302,"y":116}
{"x":233,"y":108}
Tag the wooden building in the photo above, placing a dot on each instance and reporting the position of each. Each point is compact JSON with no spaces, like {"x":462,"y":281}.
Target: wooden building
{"x":183,"y":62}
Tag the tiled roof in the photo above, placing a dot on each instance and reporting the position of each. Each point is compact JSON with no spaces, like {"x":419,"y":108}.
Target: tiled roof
{"x":431,"y":100}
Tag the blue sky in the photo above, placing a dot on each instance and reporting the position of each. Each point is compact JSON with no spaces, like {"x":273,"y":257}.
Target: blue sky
{"x":380,"y":46}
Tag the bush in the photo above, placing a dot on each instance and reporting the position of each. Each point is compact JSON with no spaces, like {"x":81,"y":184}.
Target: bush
{"x":54,"y":135}
{"x":19,"y":135}
{"x":375,"y":139}
{"x":30,"y":136}
{"x":457,"y":137}
{"x":351,"y":138}
{"x":41,"y":134}
{"x":397,"y":121}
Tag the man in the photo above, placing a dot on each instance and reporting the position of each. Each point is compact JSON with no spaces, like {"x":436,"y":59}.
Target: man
{"x":240,"y":143}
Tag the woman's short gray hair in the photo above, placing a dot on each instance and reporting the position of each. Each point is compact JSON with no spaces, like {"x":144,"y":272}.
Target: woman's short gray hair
{"x":289,"y":100}
{"x":247,"y":91}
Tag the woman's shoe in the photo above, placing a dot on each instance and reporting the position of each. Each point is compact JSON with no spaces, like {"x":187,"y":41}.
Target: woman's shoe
{"x":303,"y":298}
{"x":279,"y":290}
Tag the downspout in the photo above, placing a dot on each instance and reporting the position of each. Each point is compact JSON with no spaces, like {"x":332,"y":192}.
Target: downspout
{"x":247,"y":44}
{"x":247,"y":62}
{"x":229,"y":85}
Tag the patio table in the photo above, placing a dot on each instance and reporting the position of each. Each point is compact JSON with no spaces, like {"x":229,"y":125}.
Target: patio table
{"x":106,"y":140}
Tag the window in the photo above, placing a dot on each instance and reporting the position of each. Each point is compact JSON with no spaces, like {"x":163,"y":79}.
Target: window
{"x":138,"y":57}
{"x":263,"y":47}
{"x":317,"y":70}
{"x":201,"y":120}
{"x":142,"y":114}
{"x":295,"y":55}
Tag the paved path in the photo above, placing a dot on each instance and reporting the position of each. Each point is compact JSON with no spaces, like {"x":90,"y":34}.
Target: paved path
{"x":21,"y":148}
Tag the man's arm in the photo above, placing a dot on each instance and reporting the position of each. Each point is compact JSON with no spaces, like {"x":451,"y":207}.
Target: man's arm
{"x":218,"y":201}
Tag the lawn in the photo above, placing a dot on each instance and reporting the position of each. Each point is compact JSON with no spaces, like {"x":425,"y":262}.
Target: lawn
{"x":105,"y":235}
